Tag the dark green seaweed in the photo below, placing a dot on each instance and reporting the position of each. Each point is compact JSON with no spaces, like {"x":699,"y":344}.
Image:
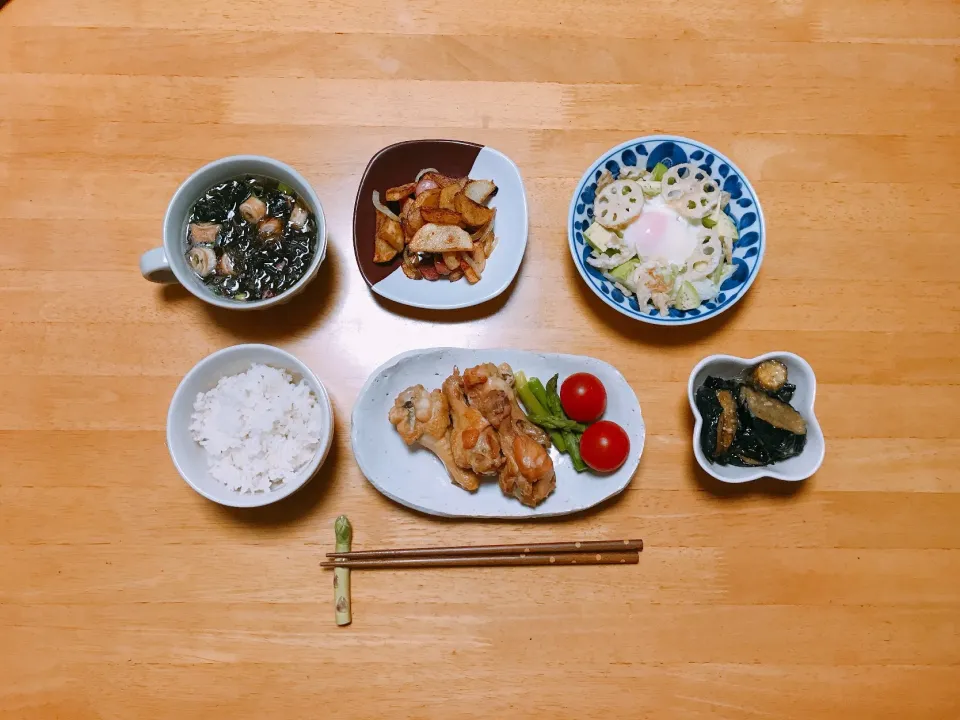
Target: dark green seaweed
{"x":262,"y":268}
{"x":747,"y":449}
{"x":758,"y":441}
{"x":785,"y":394}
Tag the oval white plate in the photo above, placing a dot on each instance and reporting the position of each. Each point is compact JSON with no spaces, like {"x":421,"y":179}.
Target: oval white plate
{"x":416,"y":478}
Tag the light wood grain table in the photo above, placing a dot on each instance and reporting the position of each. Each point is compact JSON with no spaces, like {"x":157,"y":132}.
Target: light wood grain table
{"x":123,"y":594}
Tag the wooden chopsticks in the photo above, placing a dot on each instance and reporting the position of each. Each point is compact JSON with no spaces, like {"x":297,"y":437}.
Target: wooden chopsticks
{"x":595,"y":552}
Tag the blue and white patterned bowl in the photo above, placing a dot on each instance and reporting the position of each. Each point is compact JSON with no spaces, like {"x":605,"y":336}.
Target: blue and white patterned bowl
{"x":744,"y":209}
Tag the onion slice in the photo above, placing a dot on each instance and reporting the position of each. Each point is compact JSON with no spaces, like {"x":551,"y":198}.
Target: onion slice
{"x":383,"y":208}
{"x":424,"y":172}
{"x":490,"y":244}
{"x":465,"y":256}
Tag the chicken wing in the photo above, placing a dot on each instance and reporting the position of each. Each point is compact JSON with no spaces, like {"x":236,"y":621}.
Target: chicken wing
{"x":474,"y":442}
{"x":488,"y":391}
{"x":527,"y":473}
{"x":491,"y":390}
{"x":424,"y":417}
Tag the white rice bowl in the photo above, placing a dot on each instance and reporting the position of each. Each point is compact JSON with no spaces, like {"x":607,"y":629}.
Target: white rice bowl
{"x":253,"y":440}
{"x":259,"y":428}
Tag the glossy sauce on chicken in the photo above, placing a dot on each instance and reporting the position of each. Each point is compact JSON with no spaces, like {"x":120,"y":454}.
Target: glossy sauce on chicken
{"x":250,"y":238}
{"x":476,"y":427}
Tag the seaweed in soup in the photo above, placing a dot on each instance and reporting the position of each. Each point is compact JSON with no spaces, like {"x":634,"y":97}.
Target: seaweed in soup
{"x":265,"y":238}
{"x":218,"y":202}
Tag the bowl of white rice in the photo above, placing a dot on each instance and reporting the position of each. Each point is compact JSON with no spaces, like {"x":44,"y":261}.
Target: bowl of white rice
{"x":249,"y":425}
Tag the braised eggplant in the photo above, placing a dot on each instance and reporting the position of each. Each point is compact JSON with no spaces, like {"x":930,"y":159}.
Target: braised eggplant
{"x":748,"y":421}
{"x":780,"y":428}
{"x":717,"y":403}
{"x":729,"y":421}
{"x":768,"y":376}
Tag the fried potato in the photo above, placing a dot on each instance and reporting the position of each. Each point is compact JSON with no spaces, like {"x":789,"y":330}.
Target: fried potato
{"x":443,"y":181}
{"x":474,"y":213}
{"x":479,"y":190}
{"x":383,"y":252}
{"x":401,"y":192}
{"x":452,"y":260}
{"x":447,"y":196}
{"x":390,"y":231}
{"x":469,"y":272}
{"x":428,"y":199}
{"x":440,"y":216}
{"x":410,"y":219}
{"x":479,"y":257}
{"x":440,"y":239}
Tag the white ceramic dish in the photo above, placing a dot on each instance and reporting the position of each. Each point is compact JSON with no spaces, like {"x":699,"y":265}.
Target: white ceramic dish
{"x":800,"y":374}
{"x":167,"y":264}
{"x":190,"y":459}
{"x":397,"y":164}
{"x":416,"y":478}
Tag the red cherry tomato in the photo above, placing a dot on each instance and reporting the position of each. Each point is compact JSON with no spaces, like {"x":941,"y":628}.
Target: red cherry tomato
{"x":604,"y":446}
{"x":583,"y":397}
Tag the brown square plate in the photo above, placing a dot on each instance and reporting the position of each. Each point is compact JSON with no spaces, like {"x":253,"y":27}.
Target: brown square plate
{"x":399,"y":164}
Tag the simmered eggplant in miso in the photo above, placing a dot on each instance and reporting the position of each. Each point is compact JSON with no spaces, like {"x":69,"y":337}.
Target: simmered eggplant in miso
{"x":250,"y":238}
{"x":748,"y":421}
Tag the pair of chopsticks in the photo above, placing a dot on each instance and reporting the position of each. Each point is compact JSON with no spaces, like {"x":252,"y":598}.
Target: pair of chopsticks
{"x":594,"y":552}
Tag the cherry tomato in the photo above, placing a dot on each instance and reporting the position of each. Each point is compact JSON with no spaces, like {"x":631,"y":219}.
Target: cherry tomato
{"x":583,"y":397}
{"x":604,"y":446}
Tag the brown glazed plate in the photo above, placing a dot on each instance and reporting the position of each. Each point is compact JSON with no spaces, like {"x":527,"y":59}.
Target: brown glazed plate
{"x":399,"y":164}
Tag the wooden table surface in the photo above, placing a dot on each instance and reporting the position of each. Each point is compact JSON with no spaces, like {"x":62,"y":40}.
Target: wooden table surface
{"x":123,"y":594}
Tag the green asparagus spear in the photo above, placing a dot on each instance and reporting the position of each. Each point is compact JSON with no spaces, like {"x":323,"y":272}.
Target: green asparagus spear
{"x":550,"y":422}
{"x":528,"y":399}
{"x":556,"y":437}
{"x":553,"y":399}
{"x":572,"y":442}
{"x":536,"y":387}
{"x":543,"y":407}
{"x":553,"y":405}
{"x":659,"y":170}
{"x":341,"y":576}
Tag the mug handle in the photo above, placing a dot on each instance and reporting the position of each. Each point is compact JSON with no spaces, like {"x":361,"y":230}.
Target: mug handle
{"x":155,"y":267}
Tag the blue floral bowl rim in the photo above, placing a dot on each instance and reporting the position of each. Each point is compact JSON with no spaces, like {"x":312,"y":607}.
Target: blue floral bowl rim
{"x":651,"y":319}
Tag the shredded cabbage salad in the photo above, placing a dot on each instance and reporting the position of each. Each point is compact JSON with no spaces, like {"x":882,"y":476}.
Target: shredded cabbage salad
{"x":690,"y":193}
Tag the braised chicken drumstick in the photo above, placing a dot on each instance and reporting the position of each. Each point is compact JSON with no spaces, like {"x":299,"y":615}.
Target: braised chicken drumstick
{"x":424,"y":417}
{"x":527,"y":473}
{"x":473,"y":440}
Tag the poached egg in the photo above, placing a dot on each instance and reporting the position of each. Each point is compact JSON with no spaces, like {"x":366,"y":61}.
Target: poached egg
{"x":662,"y":234}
